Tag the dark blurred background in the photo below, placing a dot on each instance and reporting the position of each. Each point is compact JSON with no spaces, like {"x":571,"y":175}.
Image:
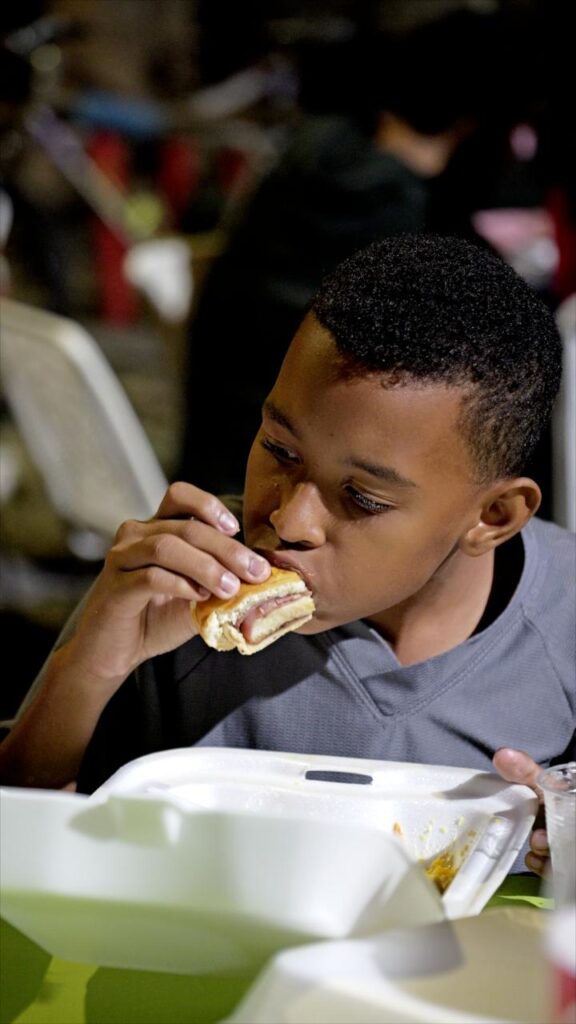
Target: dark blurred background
{"x":272,"y":138}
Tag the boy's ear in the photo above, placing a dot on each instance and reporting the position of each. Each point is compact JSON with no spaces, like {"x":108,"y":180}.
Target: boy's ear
{"x":506,"y":508}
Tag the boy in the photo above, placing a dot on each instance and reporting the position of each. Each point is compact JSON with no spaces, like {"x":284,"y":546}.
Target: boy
{"x":387,"y":472}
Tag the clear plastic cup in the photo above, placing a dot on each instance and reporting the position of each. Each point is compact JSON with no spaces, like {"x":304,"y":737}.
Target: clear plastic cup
{"x":558,"y":785}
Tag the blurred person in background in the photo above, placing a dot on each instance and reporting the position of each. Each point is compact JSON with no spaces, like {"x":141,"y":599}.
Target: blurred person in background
{"x":379,"y":121}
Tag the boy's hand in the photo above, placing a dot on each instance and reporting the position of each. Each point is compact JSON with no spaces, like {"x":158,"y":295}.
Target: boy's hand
{"x":516,"y":766}
{"x":140,"y":604}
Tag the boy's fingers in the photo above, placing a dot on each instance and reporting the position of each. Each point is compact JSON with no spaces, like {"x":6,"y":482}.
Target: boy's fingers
{"x":186,"y":500}
{"x":539,"y":843}
{"x":191,"y":549}
{"x":517,"y":766}
{"x":539,"y":865}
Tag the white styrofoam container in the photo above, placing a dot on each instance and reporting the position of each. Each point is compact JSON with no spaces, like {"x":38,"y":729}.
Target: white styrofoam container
{"x":210,"y":859}
{"x":477,"y":970}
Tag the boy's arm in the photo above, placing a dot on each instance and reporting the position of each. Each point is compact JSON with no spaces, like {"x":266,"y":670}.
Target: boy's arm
{"x":47,"y":741}
{"x":138,"y":607}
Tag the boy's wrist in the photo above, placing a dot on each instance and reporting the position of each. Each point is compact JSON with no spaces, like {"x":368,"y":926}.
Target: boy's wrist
{"x":98,"y":681}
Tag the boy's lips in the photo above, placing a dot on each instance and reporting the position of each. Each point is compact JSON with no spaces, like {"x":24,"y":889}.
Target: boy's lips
{"x":283,"y":560}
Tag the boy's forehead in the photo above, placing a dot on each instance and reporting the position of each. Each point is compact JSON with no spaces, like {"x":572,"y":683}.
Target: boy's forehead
{"x":367,"y":415}
{"x":314,"y":359}
{"x":313,"y":356}
{"x":312,"y":340}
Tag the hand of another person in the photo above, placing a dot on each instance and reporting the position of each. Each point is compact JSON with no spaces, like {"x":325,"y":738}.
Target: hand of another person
{"x":140,"y":604}
{"x":517,"y":766}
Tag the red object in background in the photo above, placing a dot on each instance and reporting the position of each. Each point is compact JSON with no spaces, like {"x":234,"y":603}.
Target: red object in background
{"x":231,"y":169}
{"x":118,"y":299}
{"x":177,"y":179}
{"x":178,"y":176}
{"x":565,"y":235}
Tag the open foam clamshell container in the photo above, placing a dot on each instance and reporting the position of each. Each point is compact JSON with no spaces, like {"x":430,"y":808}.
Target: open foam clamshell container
{"x":212,"y":859}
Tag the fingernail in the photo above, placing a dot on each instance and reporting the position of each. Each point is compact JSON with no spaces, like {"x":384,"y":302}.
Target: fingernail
{"x":540,"y":842}
{"x":257,"y":566}
{"x":228,"y":522}
{"x":536,"y":864}
{"x":229,"y":583}
{"x":202,"y":592}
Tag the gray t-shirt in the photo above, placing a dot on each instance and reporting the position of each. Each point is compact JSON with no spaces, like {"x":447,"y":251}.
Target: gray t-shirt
{"x":344,"y":692}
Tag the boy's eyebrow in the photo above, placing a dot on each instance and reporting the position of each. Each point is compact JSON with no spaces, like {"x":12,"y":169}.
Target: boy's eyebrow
{"x":279,"y":417}
{"x":386,"y":473}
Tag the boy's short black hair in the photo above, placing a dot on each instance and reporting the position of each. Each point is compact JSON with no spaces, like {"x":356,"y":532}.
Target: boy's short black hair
{"x":443,"y":310}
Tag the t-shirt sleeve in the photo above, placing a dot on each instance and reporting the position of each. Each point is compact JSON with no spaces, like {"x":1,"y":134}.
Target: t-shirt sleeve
{"x":160,"y":706}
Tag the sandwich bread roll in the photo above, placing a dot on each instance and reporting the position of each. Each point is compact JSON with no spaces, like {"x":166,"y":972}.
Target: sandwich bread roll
{"x":257,"y":615}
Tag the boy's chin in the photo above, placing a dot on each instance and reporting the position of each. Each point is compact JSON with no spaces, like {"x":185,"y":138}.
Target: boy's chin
{"x":322,"y":623}
{"x":319,"y":625}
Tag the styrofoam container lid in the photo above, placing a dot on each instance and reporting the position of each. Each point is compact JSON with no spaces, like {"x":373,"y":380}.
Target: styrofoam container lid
{"x":470,"y":819}
{"x":208,"y":859}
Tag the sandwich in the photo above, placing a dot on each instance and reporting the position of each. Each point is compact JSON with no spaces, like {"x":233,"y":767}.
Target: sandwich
{"x":257,"y":615}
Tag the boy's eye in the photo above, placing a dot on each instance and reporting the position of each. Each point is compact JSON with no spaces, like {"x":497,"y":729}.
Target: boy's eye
{"x":278,"y":451}
{"x":369,"y":505}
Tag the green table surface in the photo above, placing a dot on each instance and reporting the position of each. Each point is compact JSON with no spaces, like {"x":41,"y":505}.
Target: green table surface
{"x":37,"y":988}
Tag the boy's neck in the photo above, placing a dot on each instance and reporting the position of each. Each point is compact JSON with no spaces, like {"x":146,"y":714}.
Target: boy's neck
{"x":443,"y":614}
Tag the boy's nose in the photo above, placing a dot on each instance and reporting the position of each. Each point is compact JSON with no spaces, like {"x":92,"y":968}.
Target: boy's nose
{"x":300,"y":518}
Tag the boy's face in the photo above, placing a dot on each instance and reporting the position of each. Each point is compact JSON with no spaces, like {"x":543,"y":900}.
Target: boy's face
{"x":365,"y":491}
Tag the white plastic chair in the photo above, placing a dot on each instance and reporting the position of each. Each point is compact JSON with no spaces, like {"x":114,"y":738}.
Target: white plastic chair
{"x":81,"y":431}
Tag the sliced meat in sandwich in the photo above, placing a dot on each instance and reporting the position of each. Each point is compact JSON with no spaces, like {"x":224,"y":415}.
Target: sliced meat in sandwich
{"x":257,"y":615}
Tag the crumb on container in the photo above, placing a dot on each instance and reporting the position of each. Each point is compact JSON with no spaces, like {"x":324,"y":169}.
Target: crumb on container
{"x":442,"y":870}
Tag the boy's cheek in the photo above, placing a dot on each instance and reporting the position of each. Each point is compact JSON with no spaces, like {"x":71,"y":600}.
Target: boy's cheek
{"x":260,"y":499}
{"x":259,"y":506}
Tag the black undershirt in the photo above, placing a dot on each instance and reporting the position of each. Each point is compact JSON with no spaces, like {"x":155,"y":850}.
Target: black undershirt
{"x":508,"y":565}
